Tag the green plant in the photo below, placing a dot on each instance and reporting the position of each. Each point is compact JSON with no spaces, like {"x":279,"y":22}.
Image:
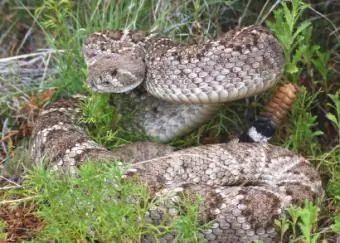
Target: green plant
{"x":333,"y":187}
{"x":302,"y":129}
{"x":187,"y":224}
{"x":100,"y":118}
{"x":293,"y":35}
{"x":308,"y":225}
{"x":106,"y":123}
{"x":283,"y":225}
{"x":321,"y":64}
{"x":302,"y":221}
{"x":92,"y":206}
{"x":98,"y":204}
{"x":2,"y":231}
{"x":336,"y":225}
{"x":335,"y":118}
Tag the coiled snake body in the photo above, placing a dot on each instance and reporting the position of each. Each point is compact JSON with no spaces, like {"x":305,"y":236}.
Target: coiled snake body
{"x":244,"y":186}
{"x":240,"y":64}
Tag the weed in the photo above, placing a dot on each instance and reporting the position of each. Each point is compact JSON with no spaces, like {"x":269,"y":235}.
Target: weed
{"x":302,"y":130}
{"x":335,"y":118}
{"x":293,"y":36}
{"x":107,"y":123}
{"x":2,"y":231}
{"x":100,"y":118}
{"x":187,"y":224}
{"x":302,"y":221}
{"x":99,"y":205}
{"x":333,"y":188}
{"x":336,"y":225}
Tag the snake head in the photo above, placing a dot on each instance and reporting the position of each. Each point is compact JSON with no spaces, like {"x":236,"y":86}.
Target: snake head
{"x":114,"y":66}
{"x":115,"y":73}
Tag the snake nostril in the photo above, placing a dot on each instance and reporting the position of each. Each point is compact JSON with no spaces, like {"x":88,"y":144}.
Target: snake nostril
{"x":103,"y":80}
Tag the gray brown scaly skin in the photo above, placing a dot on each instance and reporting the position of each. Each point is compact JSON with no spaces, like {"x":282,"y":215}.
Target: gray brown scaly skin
{"x":58,"y":137}
{"x":245,"y":186}
{"x":241,"y":63}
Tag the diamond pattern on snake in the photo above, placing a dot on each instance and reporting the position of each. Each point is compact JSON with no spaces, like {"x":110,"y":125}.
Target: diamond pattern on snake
{"x":175,"y":88}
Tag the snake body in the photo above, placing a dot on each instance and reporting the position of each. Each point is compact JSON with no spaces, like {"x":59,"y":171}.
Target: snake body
{"x":244,"y":186}
{"x":199,"y":77}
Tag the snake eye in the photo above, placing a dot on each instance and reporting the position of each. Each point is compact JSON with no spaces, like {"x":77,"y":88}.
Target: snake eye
{"x":113,"y":73}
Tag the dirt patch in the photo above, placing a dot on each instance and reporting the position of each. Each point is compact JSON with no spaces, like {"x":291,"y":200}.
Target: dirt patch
{"x":21,"y":222}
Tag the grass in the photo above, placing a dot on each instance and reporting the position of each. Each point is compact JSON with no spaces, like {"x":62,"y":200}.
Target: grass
{"x":310,"y":38}
{"x":99,"y":205}
{"x":104,"y":206}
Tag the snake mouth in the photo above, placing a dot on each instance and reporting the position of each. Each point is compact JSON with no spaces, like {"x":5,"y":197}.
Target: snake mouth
{"x":113,"y":81}
{"x":114,"y":73}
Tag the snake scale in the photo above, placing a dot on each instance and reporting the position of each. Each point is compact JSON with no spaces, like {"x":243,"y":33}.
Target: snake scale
{"x":244,"y":186}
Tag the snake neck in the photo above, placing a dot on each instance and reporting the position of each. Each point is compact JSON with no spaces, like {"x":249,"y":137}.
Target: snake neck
{"x":153,"y":47}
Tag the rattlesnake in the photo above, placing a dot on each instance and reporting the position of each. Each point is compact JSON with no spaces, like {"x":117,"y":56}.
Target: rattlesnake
{"x":244,"y":186}
{"x":241,"y":63}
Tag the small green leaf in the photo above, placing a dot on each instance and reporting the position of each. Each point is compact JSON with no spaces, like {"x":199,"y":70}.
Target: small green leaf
{"x":332,"y":118}
{"x":283,"y":224}
{"x":336,"y":225}
{"x":292,"y":68}
{"x":288,"y":17}
{"x":315,"y":238}
{"x":301,"y":28}
{"x":317,"y":133}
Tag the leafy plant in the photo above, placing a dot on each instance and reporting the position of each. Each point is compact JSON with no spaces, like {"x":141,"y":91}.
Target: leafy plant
{"x":2,"y":231}
{"x":308,"y":225}
{"x":106,"y":123}
{"x":293,"y":35}
{"x":302,"y":130}
{"x":98,"y":204}
{"x":187,"y":224}
{"x":320,"y":63}
{"x":336,"y":225}
{"x":283,"y":225}
{"x":335,"y":118}
{"x":302,"y":221}
{"x":100,"y":117}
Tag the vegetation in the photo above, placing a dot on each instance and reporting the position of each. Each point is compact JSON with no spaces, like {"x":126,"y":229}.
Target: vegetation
{"x":50,"y":203}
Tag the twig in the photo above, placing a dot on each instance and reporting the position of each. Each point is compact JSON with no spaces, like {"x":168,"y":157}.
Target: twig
{"x":326,"y":18}
{"x":12,"y":182}
{"x":9,"y":187}
{"x":16,"y":200}
{"x":9,"y":135}
{"x":243,"y":14}
{"x":270,"y":10}
{"x":46,"y":67}
{"x":27,"y":34}
{"x":48,"y":51}
{"x":261,"y":12}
